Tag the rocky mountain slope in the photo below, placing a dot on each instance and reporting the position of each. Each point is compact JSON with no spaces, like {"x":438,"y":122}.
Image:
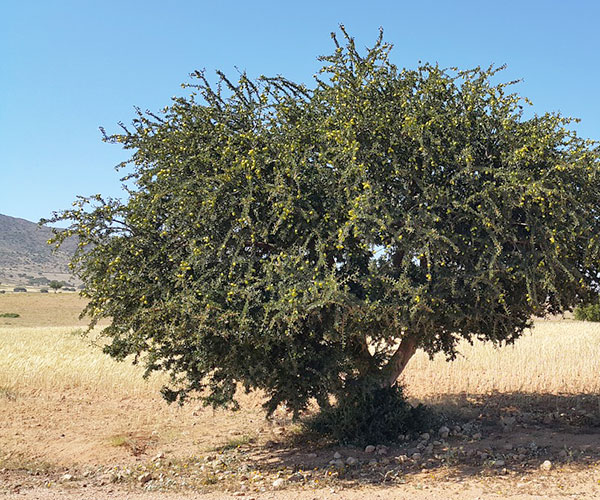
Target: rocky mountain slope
{"x":26,"y":257}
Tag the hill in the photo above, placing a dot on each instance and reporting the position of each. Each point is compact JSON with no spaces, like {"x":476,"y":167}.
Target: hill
{"x":25,"y":256}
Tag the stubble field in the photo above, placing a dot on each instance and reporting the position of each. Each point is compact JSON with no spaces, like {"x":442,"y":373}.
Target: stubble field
{"x":76,"y":424}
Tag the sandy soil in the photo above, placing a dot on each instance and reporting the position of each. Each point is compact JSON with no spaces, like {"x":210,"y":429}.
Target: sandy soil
{"x":77,"y":447}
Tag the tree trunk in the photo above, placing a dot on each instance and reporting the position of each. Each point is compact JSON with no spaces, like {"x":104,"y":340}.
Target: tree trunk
{"x":395,"y":366}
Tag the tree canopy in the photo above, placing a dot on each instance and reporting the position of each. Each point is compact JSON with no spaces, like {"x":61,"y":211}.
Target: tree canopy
{"x":301,"y":239}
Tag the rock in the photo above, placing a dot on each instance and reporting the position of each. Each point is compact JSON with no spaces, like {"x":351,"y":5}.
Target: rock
{"x":382,"y":450}
{"x":416,"y":456}
{"x":508,"y":446}
{"x":145,"y":477}
{"x":385,"y":461}
{"x":337,"y":463}
{"x":159,"y":456}
{"x":546,"y":465}
{"x":457,"y":429}
{"x":499,"y":463}
{"x":370,"y":449}
{"x":372,"y":462}
{"x":67,"y":477}
{"x":311,"y":455}
{"x":444,"y":432}
{"x":401,"y":458}
{"x":477,"y":436}
{"x":425,"y":436}
{"x":563,"y":454}
{"x":297,"y":477}
{"x":508,"y":423}
{"x":279,"y":483}
{"x":351,"y":461}
{"x":437,"y":443}
{"x":337,"y":455}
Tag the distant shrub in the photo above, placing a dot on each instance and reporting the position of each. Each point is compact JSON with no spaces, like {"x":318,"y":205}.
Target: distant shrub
{"x":9,"y":315}
{"x":19,"y":289}
{"x":590,"y":312}
{"x":44,"y":290}
{"x":2,"y":291}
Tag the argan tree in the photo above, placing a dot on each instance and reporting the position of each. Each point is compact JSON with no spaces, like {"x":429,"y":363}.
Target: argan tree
{"x":307,"y":241}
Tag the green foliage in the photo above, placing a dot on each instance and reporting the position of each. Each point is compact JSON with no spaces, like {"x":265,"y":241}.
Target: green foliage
{"x":367,"y":416}
{"x":56,"y":285}
{"x":288,"y":238}
{"x":589,"y":312}
{"x":9,"y":315}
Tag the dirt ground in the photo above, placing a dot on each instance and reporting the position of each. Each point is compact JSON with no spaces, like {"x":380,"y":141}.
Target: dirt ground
{"x":78,"y":447}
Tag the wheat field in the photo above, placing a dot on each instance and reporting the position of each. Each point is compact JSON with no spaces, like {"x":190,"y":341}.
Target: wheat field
{"x":555,"y":357}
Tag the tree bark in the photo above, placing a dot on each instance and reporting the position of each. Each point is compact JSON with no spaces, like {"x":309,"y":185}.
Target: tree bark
{"x":396,"y":364}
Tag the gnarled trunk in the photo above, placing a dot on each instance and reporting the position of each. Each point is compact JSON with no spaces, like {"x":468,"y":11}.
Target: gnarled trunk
{"x":396,"y":364}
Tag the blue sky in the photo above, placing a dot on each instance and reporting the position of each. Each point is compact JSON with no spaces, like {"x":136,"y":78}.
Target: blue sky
{"x":68,"y":67}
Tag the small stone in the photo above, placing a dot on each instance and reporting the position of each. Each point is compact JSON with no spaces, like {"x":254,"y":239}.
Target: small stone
{"x":239,"y":494}
{"x":159,"y":456}
{"x":416,"y":456}
{"x":563,"y":454}
{"x":401,"y":458}
{"x":508,"y":446}
{"x":546,"y":465}
{"x":337,"y":463}
{"x":499,"y":463}
{"x":279,"y":483}
{"x":311,"y":455}
{"x":477,"y":436}
{"x":437,"y":443}
{"x":385,"y":461}
{"x":297,"y":477}
{"x":382,"y":450}
{"x":337,"y":455}
{"x":351,"y":461}
{"x":370,"y":449}
{"x":145,"y":477}
{"x":372,"y":462}
{"x":457,"y":429}
{"x":425,"y":436}
{"x":67,"y":477}
{"x":444,"y":432}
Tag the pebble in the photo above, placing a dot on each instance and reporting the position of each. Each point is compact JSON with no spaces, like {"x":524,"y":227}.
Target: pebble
{"x":416,"y":456}
{"x":370,"y":449}
{"x":477,"y":436}
{"x":444,"y":432}
{"x":279,"y":483}
{"x":425,"y":436}
{"x":145,"y":477}
{"x":499,"y":463}
{"x":546,"y":465}
{"x":337,"y":455}
{"x":67,"y":477}
{"x":351,"y":461}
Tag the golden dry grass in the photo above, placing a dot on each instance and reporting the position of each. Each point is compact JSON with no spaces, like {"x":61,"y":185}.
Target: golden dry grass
{"x":42,"y":309}
{"x":58,"y":359}
{"x":555,"y":357}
